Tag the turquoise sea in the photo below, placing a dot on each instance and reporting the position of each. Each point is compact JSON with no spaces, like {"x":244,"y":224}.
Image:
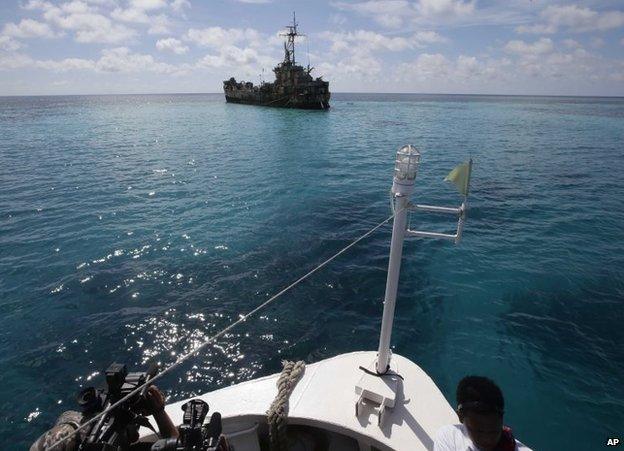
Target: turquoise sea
{"x":132,"y":227}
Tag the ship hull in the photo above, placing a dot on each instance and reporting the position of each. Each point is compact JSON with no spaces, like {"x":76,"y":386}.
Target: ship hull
{"x":278,"y":102}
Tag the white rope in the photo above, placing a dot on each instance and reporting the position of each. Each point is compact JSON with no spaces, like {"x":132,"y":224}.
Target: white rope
{"x":242,"y":319}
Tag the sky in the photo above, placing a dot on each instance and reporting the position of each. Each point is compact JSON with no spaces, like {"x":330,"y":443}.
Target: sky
{"x":532,"y":47}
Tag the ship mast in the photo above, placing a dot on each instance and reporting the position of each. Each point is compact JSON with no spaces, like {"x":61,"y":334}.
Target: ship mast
{"x":289,"y":45}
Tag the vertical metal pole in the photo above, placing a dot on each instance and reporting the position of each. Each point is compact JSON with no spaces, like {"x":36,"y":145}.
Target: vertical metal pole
{"x":295,"y":28}
{"x":460,"y":222}
{"x":464,"y":206}
{"x":392,"y":282}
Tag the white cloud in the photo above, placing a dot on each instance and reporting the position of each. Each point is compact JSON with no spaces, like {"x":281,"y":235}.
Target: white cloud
{"x":547,"y":66}
{"x":467,"y":66}
{"x":121,"y":59}
{"x":159,"y":24}
{"x":115,"y":60}
{"x":233,"y":56}
{"x":540,"y":47}
{"x":597,"y":42}
{"x":435,"y":69}
{"x":10,"y":61}
{"x":568,"y":15}
{"x":429,"y":37}
{"x":534,"y":65}
{"x":179,"y":5}
{"x":171,"y":45}
{"x":537,"y":29}
{"x":572,"y":44}
{"x":217,"y":37}
{"x":91,"y":25}
{"x":387,"y":13}
{"x":359,"y":59}
{"x":364,"y":40}
{"x":357,"y":55}
{"x":28,"y":28}
{"x":140,"y":11}
{"x":102,"y":2}
{"x":575,"y":18}
{"x":337,"y":19}
{"x":8,"y":44}
{"x":36,"y":4}
{"x":112,"y":35}
{"x":396,"y":13}
{"x":445,"y":8}
{"x":576,"y":65}
{"x":130,"y":15}
{"x":244,"y":51}
{"x":147,"y":5}
{"x":84,"y":20}
{"x":357,"y":66}
{"x":429,"y":66}
{"x":583,"y":19}
{"x":66,"y":65}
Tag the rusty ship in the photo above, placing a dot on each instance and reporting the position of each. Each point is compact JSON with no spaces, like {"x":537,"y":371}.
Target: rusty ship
{"x":293,"y":87}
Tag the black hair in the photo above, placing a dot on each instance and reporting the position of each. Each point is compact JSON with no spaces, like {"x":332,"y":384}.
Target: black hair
{"x":481,"y":395}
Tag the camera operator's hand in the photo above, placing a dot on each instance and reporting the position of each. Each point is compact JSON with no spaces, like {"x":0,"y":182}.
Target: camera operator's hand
{"x":154,"y":401}
{"x":154,"y":404}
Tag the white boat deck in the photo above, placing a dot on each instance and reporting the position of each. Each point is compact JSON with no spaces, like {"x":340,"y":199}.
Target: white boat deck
{"x":325,"y":398}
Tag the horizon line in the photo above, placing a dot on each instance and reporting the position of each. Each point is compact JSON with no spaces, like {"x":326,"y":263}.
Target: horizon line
{"x":337,"y":92}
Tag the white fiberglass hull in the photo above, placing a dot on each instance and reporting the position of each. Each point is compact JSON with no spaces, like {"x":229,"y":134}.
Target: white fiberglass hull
{"x":323,"y":402}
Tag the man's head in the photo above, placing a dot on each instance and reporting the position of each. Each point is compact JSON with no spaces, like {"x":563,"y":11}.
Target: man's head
{"x":480,"y":407}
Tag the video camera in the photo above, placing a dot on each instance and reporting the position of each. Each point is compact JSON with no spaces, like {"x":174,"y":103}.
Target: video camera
{"x":194,"y":435}
{"x":119,"y":428}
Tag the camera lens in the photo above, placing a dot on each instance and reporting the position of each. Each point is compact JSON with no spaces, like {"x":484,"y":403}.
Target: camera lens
{"x":88,"y":400}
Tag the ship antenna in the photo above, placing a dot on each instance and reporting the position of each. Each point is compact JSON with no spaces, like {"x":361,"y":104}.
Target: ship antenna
{"x":289,"y":45}
{"x":308,"y":49}
{"x":294,"y":33}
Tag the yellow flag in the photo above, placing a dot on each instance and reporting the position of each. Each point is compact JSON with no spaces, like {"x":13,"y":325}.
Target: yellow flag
{"x":460,"y":176}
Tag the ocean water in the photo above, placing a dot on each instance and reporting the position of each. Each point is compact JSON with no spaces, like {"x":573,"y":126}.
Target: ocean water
{"x":132,"y":227}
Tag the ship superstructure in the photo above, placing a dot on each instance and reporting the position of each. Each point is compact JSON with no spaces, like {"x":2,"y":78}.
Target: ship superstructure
{"x":293,"y":87}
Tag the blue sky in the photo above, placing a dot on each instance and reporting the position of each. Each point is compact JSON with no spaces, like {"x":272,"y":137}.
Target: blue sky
{"x":438,"y":46}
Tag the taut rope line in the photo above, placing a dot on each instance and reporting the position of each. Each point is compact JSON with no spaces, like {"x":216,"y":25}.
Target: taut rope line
{"x":219,"y":334}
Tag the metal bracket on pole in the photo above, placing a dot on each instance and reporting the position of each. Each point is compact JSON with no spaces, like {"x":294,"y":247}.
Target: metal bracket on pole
{"x":435,"y":209}
{"x":459,"y":211}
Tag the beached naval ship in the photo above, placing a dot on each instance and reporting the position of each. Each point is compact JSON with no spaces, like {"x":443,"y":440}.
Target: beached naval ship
{"x":293,"y":87}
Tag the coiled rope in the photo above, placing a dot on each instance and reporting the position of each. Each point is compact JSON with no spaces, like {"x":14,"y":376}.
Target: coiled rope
{"x":277,"y":415}
{"x":242,"y":319}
